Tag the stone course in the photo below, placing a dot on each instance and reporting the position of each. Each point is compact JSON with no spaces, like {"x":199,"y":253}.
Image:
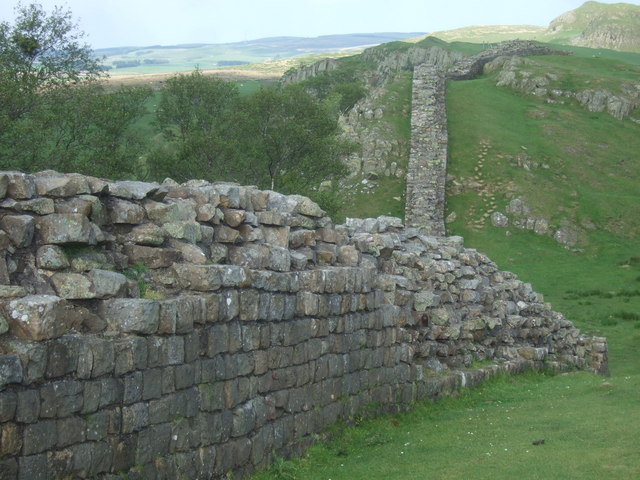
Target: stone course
{"x":196,"y":330}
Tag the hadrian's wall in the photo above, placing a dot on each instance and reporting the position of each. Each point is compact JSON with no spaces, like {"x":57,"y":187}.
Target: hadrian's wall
{"x":196,"y":330}
{"x":427,"y":166}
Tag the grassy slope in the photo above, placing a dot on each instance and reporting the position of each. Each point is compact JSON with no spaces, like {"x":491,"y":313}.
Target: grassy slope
{"x":589,"y":424}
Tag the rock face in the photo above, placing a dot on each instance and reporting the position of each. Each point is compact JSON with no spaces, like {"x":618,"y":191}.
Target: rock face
{"x":261,"y":323}
{"x":517,"y":72}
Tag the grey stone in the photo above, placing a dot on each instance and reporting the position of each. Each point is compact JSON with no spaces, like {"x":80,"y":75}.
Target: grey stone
{"x":39,"y":437}
{"x":10,"y":370}
{"x":63,"y":228}
{"x":51,"y":257}
{"x":20,"y":185}
{"x":133,"y":190}
{"x":135,"y":417}
{"x":147,"y":234}
{"x":8,"y":406}
{"x":37,"y":317}
{"x":152,"y":257}
{"x":250,"y":256}
{"x":225,"y":234}
{"x":499,"y":220}
{"x":39,"y":206}
{"x":33,"y":467}
{"x":19,"y":228}
{"x":125,"y":212}
{"x":177,"y":315}
{"x":53,"y":184}
{"x":97,"y":284}
{"x":189,"y":231}
{"x":190,"y":253}
{"x":131,"y":315}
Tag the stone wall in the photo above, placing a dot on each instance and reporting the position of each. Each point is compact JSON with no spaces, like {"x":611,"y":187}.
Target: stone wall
{"x":196,"y":330}
{"x":427,"y":167}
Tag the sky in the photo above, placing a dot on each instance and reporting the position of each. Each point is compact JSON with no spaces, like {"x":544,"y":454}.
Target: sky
{"x":116,"y":23}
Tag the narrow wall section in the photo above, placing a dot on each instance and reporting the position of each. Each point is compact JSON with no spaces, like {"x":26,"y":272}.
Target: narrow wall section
{"x":427,"y":170}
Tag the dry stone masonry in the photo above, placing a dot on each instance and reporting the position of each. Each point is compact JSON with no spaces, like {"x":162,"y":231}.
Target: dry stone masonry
{"x":427,"y":168}
{"x":196,"y":330}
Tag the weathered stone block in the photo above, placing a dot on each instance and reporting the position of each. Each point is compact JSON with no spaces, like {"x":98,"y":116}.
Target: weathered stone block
{"x":348,"y":255}
{"x":64,"y":228}
{"x":225,"y":234}
{"x":271,"y":217}
{"x":153,"y":442}
{"x":146,"y":234}
{"x":39,"y":437}
{"x":177,"y":315}
{"x":279,"y":259}
{"x":190,"y":253}
{"x":10,"y":441}
{"x":152,"y":257}
{"x":38,"y":317}
{"x":97,"y":284}
{"x":233,"y":217}
{"x":189,"y":231}
{"x":278,"y":236}
{"x":10,"y":370}
{"x":211,"y":277}
{"x":135,"y":417}
{"x":135,"y":190}
{"x":19,"y":185}
{"x":131,"y":315}
{"x":125,"y":212}
{"x":424,"y":300}
{"x":51,"y":257}
{"x":20,"y":229}
{"x":250,"y":256}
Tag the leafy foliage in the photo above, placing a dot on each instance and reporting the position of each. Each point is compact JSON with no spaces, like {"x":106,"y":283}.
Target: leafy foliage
{"x":53,"y":112}
{"x":291,"y":141}
{"x":194,"y":116}
{"x":278,"y":137}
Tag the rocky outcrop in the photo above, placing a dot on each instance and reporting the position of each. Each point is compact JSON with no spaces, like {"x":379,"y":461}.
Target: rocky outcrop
{"x":305,"y":72}
{"x":519,"y":73}
{"x":406,"y":60}
{"x":195,"y":330}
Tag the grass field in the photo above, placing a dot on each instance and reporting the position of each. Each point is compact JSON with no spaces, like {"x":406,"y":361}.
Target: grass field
{"x":589,"y":424}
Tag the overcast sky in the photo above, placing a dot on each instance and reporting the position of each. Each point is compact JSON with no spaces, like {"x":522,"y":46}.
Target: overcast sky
{"x":113,"y":23}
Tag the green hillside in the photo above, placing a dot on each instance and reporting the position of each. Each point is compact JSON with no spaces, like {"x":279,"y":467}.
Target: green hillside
{"x":594,"y":24}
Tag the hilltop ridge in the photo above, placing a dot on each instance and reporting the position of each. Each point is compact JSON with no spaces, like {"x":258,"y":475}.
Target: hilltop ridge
{"x":594,"y":25}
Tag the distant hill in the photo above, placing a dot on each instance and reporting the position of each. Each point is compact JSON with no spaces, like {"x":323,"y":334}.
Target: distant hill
{"x":172,"y":58}
{"x":598,"y":25}
{"x":595,"y":25}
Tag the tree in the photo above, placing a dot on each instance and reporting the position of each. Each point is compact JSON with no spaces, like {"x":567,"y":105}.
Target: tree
{"x":38,"y":52}
{"x":53,"y":111}
{"x":291,"y":141}
{"x":194,"y":116}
